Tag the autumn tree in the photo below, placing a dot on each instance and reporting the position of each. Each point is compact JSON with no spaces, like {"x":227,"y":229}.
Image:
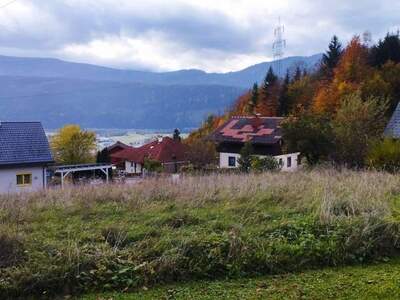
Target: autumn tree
{"x":355,"y":125}
{"x":71,"y":145}
{"x":301,"y":93}
{"x":202,"y":153}
{"x":350,"y":72}
{"x":310,"y":134}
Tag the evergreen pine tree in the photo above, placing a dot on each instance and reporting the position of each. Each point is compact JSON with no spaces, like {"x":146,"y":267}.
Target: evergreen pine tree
{"x":103,"y":156}
{"x":177,"y":135}
{"x":284,"y":105}
{"x":297,"y":74}
{"x":269,"y":81}
{"x":331,"y":58}
{"x":246,"y":156}
{"x":253,"y":100}
{"x":388,"y":49}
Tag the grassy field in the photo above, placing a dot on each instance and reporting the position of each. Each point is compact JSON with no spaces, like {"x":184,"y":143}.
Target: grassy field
{"x":124,"y":238}
{"x":378,"y":281}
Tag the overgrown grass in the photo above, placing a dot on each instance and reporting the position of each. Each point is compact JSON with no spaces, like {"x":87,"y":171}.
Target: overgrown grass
{"x":376,"y":281}
{"x":127,"y":237}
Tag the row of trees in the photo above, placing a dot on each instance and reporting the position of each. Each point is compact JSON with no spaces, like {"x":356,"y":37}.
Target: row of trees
{"x":354,"y":92}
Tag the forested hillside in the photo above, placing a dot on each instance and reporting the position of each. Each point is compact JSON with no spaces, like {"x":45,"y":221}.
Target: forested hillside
{"x":337,"y":113}
{"x":56,"y":92}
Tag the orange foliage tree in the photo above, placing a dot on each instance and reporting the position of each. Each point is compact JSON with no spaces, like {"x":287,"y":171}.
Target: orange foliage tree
{"x":351,"y":71}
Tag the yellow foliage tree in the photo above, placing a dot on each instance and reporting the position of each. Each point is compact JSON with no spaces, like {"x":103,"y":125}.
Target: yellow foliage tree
{"x":71,"y":145}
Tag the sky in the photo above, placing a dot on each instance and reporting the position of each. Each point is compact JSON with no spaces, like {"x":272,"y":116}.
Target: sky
{"x":167,"y":35}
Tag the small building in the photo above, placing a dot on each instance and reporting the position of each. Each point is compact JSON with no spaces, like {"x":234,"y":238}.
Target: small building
{"x":24,"y":157}
{"x":265,"y":135}
{"x":393,"y":128}
{"x":171,"y":153}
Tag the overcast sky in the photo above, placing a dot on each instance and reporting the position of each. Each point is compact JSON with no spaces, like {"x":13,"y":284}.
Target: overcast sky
{"x":160,"y":35}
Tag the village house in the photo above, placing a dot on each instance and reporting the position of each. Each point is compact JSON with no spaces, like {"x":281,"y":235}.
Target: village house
{"x":393,"y":128}
{"x":265,"y":135}
{"x":117,"y":147}
{"x":171,"y":153}
{"x":24,"y":157}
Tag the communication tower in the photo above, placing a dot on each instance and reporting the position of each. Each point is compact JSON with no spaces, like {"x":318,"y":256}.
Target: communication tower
{"x":278,"y":47}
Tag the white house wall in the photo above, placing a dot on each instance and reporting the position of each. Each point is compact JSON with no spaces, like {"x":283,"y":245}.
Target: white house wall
{"x":8,"y":180}
{"x":224,"y":160}
{"x":130,"y":168}
{"x":294,"y":157}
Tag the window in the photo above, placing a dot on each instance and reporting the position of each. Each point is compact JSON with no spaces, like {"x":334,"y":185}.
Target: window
{"x":232,"y":161}
{"x":24,"y":179}
{"x":289,"y":161}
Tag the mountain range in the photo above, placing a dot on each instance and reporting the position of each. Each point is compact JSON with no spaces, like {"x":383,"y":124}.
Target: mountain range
{"x":57,"y":92}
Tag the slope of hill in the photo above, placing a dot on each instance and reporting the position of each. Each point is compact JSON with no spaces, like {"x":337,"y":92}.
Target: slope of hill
{"x":107,"y":104}
{"x":45,"y":67}
{"x":58,"y":92}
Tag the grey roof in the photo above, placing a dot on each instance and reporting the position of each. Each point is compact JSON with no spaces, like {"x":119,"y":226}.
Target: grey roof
{"x":23,"y":143}
{"x":393,"y":127}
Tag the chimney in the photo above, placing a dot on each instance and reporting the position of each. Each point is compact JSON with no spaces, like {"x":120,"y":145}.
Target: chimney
{"x":256,"y":122}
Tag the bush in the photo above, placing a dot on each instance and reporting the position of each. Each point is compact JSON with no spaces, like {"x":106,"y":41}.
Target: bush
{"x":152,"y":166}
{"x":263,"y":164}
{"x":11,"y":251}
{"x":385,"y":155}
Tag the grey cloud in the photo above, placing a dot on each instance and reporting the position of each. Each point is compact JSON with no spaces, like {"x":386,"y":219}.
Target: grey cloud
{"x":200,"y":30}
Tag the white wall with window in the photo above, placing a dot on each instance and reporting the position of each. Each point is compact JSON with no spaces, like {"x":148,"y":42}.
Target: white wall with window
{"x":288,"y":162}
{"x":133,"y":168}
{"x":16,"y":180}
{"x":228,"y":160}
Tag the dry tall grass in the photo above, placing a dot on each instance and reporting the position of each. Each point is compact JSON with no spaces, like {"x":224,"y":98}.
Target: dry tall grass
{"x":328,"y":193}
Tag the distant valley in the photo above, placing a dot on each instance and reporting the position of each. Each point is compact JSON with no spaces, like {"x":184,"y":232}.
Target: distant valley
{"x":58,"y":92}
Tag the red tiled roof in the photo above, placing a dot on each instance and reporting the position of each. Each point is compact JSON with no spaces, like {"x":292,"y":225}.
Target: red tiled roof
{"x":167,"y":150}
{"x":260,"y":130}
{"x":117,"y":147}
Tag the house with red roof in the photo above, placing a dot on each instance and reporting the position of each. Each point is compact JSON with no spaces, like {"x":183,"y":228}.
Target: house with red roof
{"x":171,"y":153}
{"x":117,"y":147}
{"x":265,"y":135}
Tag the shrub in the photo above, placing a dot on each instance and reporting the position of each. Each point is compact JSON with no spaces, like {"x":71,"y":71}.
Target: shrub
{"x":246,"y":156}
{"x":263,"y":164}
{"x":152,"y":166}
{"x":385,"y":155}
{"x":11,"y":250}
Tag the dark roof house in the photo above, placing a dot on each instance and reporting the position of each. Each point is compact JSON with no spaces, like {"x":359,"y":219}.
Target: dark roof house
{"x":393,"y":127}
{"x":23,"y":143}
{"x":24,"y":157}
{"x":265,"y":134}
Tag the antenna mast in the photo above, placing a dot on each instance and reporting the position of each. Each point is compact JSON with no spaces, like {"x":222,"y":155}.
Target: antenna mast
{"x":367,"y":38}
{"x":278,"y":47}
